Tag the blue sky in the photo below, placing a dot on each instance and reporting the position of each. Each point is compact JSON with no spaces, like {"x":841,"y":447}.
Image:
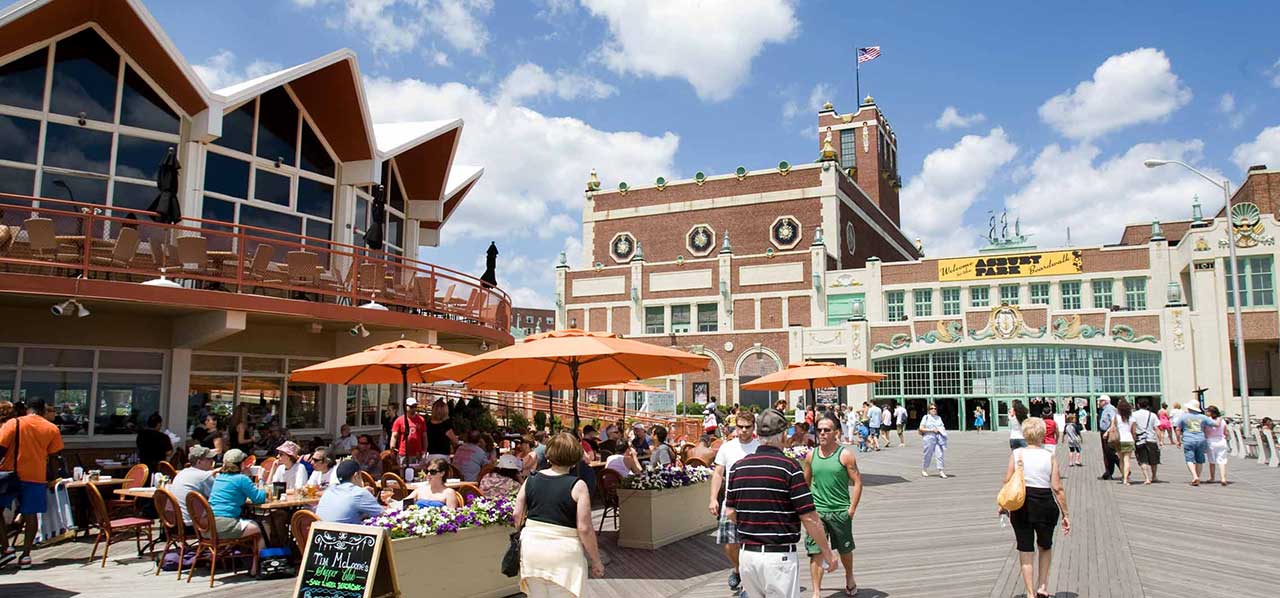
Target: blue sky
{"x":1053,"y":106}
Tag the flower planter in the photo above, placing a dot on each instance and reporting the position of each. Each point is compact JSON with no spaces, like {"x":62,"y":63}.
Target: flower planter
{"x":462,"y":565}
{"x":651,"y":519}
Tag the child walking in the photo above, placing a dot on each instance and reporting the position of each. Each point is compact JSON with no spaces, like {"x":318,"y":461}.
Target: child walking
{"x":1073,"y":441}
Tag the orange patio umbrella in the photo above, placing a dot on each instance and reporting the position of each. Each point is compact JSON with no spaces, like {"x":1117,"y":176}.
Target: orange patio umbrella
{"x":568,"y":359}
{"x":627,"y":387}
{"x":810,"y":375}
{"x":401,"y":361}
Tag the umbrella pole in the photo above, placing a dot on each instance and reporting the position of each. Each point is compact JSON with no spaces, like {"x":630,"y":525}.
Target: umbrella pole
{"x":573,"y":374}
{"x":813,"y":397}
{"x":404,"y":406}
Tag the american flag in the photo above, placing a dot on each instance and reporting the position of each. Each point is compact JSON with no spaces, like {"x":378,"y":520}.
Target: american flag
{"x":868,"y":54}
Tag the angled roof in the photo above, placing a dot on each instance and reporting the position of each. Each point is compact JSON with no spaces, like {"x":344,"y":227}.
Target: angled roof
{"x":330,"y":89}
{"x":396,"y":138}
{"x":126,"y":22}
{"x":423,"y":152}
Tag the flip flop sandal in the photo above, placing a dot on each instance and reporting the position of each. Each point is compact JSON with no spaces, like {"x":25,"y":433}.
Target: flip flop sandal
{"x":851,"y":592}
{"x":24,"y":562}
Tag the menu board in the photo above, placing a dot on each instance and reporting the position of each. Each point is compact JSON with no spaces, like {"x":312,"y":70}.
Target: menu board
{"x":346,"y":561}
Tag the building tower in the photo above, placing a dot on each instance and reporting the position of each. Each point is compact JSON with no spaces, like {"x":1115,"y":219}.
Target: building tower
{"x":868,"y":152}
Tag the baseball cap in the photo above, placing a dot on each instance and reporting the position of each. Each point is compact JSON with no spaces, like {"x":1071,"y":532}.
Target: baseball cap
{"x":1104,"y":399}
{"x":771,"y":422}
{"x":412,"y":402}
{"x":198,"y":452}
{"x":510,"y":462}
{"x":1194,"y":406}
{"x":233,"y":456}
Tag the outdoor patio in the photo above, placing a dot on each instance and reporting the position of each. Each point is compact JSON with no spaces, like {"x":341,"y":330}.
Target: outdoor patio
{"x":915,"y":537}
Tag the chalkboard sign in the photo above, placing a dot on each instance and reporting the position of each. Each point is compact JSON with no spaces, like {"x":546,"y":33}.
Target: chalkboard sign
{"x":347,"y":561}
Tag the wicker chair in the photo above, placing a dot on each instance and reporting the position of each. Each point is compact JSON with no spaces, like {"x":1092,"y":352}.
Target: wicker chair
{"x":366,"y":480}
{"x":136,"y":478}
{"x":691,"y":461}
{"x":267,"y":465}
{"x":207,"y":530}
{"x":396,"y":484}
{"x":610,"y":481}
{"x":167,"y":469}
{"x":468,"y":492}
{"x":114,"y":530}
{"x":172,"y":526}
{"x":390,"y":463}
{"x":486,"y":470}
{"x":300,"y":528}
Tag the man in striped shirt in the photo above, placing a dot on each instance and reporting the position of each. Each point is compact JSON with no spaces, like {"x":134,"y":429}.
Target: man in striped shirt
{"x":768,"y":500}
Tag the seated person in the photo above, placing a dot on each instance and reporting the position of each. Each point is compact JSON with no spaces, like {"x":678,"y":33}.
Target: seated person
{"x":505,"y":479}
{"x":196,"y":478}
{"x":703,"y":451}
{"x":639,"y":440}
{"x":367,"y":455}
{"x":663,"y":454}
{"x":345,"y":502}
{"x":288,"y":468}
{"x":470,"y":457}
{"x":322,"y":472}
{"x":434,"y":493}
{"x":612,"y":445}
{"x":627,"y":464}
{"x":231,"y":489}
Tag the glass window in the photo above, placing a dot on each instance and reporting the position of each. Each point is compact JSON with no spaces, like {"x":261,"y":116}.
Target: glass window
{"x":923,"y":302}
{"x":1135,"y":293}
{"x":269,"y":219}
{"x":277,"y":126}
{"x":237,"y":129}
{"x":708,"y":317}
{"x":16,"y":181}
{"x":895,"y":308}
{"x":142,"y":107}
{"x":848,"y":149}
{"x":1102,"y":294}
{"x":22,"y":81}
{"x":261,"y":395}
{"x":654,"y":320}
{"x":1009,"y":294}
{"x":979,"y":296}
{"x":304,"y":406}
{"x":139,"y":158}
{"x":225,"y":175}
{"x":217,"y":209}
{"x":204,"y":362}
{"x":395,"y":195}
{"x":395,"y":230}
{"x":84,"y":77}
{"x":272,"y":365}
{"x":271,"y":187}
{"x":314,"y":157}
{"x":1039,"y":293}
{"x":951,"y":302}
{"x":315,"y":198}
{"x":319,"y":230}
{"x":8,"y":356}
{"x":66,"y":392}
{"x":77,"y":148}
{"x":19,"y":138}
{"x":1257,"y":286}
{"x":8,"y":379}
{"x":130,"y":360}
{"x":74,"y":188}
{"x":209,"y":395}
{"x":49,"y":357}
{"x":680,"y":318}
{"x":362,"y":214}
{"x":132,"y":196}
{"x":1070,"y":294}
{"x":840,"y":308}
{"x":125,"y":401}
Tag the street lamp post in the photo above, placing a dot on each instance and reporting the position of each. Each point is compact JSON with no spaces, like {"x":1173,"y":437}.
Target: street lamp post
{"x":1241,"y":371}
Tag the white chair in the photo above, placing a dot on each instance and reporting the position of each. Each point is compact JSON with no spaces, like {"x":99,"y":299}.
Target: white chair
{"x":1232,"y":447}
{"x":1259,"y":447}
{"x":1271,"y":446}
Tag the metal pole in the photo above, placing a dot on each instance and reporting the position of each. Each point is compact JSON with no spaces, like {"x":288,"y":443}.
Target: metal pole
{"x":1241,"y":369}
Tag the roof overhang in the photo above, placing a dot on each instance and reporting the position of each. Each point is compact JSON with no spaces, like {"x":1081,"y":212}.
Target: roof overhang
{"x":461,"y":180}
{"x":127,"y":22}
{"x":423,"y":153}
{"x":330,"y":90}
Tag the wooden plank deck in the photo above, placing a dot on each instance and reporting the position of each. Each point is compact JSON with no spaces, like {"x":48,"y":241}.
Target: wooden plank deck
{"x":915,"y":537}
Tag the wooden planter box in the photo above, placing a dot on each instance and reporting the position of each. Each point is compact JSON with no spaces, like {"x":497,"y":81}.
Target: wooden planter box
{"x":651,"y":519}
{"x":462,"y":565}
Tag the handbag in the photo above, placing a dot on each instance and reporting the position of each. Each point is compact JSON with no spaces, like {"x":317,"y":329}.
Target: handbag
{"x":1113,"y":433}
{"x":9,"y":483}
{"x":1014,"y":492}
{"x":511,"y":560}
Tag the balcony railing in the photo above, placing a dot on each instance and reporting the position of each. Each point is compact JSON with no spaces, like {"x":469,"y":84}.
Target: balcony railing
{"x":65,"y":238}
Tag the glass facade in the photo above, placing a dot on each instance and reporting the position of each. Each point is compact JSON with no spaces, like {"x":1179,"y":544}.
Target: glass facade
{"x":253,"y":387}
{"x":1020,"y":372}
{"x":951,"y":301}
{"x":1257,"y":285}
{"x":923,"y":299}
{"x":895,"y":306}
{"x":93,"y":392}
{"x":1102,"y":293}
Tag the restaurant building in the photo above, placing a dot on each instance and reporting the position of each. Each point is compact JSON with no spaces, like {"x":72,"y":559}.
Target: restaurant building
{"x":762,"y":268}
{"x":266,"y":270}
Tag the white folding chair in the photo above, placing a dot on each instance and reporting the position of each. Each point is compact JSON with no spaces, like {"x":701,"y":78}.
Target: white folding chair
{"x":1259,"y":447}
{"x":1271,"y":446}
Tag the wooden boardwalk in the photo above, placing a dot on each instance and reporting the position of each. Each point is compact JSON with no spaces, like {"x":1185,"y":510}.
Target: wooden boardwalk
{"x":915,"y":537}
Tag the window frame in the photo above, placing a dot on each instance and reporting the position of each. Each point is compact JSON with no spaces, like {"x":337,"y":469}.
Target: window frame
{"x":239,"y":373}
{"x":1017,"y":294}
{"x":895,"y":304}
{"x":922,"y":303}
{"x":1076,"y":298}
{"x":1039,"y":298}
{"x":1247,"y":292}
{"x":1134,"y":296}
{"x":951,"y":305}
{"x":985,"y":302}
{"x":1108,"y":285}
{"x":655,"y":328}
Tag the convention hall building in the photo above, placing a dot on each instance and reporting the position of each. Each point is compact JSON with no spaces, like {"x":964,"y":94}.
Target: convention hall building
{"x":168,"y":248}
{"x":761,"y":268}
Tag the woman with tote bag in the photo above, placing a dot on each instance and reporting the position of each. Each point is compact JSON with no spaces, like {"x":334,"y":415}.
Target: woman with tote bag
{"x":1043,"y":502}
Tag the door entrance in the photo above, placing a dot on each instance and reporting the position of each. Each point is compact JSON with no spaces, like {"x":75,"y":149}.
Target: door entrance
{"x":970,"y":405}
{"x":949,"y":411}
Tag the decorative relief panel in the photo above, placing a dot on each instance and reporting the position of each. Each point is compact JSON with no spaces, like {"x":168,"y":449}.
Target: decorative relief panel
{"x":622,"y":248}
{"x":785,"y":232}
{"x":700,"y":240}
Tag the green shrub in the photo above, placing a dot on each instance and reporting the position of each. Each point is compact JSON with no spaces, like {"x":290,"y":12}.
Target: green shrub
{"x":539,"y":420}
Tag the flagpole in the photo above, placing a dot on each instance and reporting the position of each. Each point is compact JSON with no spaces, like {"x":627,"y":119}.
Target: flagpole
{"x":857,"y":75}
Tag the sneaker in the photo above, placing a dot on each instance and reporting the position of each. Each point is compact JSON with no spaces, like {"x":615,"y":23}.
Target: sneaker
{"x":735,"y":581}
{"x":924,"y":473}
{"x":942,"y":474}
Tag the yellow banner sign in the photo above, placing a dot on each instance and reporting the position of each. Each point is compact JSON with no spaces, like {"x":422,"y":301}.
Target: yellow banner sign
{"x":1049,"y":263}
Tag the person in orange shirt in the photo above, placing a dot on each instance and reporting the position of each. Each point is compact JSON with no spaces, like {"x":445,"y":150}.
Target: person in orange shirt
{"x":36,"y":439}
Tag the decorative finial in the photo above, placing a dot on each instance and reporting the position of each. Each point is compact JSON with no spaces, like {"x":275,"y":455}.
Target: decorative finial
{"x":593,"y":182}
{"x":828,"y":107}
{"x":828,"y":150}
{"x":564,"y":260}
{"x":817,"y":236}
{"x":1197,"y":215}
{"x":1156,"y":233}
{"x":868,"y":101}
{"x":639,"y":254}
{"x":725,"y":247}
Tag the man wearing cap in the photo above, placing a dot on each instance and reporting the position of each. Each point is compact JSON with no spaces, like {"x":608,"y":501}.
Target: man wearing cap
{"x":407,"y":431}
{"x":1192,"y":425}
{"x":640,"y":441}
{"x":769,"y":501}
{"x":1105,"y":419}
{"x":197,"y":478}
{"x":289,"y":468}
{"x":346,"y":502}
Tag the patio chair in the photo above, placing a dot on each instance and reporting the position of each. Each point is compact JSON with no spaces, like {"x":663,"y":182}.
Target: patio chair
{"x":114,"y":530}
{"x":363,"y":478}
{"x":371,"y":280}
{"x":486,"y":470}
{"x":167,"y":469}
{"x":267,"y":465}
{"x":42,"y":241}
{"x":390,"y":463}
{"x":192,"y":257}
{"x":248,"y":462}
{"x":396,"y":484}
{"x":136,"y":478}
{"x":425,"y":292}
{"x":207,"y":531}
{"x":691,"y":461}
{"x":172,"y":527}
{"x":468,"y":491}
{"x":304,"y":268}
{"x":122,"y":252}
{"x":610,"y":481}
{"x":300,"y":528}
{"x":257,"y":270}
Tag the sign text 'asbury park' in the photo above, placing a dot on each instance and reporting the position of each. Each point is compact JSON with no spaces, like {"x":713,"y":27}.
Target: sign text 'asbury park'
{"x":1048,"y":263}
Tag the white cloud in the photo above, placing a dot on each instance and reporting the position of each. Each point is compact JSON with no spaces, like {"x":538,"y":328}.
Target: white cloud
{"x":221,"y":70}
{"x":531,"y":81}
{"x":949,"y":182}
{"x":710,"y":43}
{"x":952,"y":119}
{"x":1264,"y":149}
{"x":395,"y":26}
{"x":1127,"y":89}
{"x":1227,"y":106}
{"x":792,"y":108}
{"x":1096,"y":199}
{"x":543,"y":161}
{"x":437,"y":57}
{"x":1274,"y":74}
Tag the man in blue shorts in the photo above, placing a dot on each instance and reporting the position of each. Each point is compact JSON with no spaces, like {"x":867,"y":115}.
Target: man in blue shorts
{"x":26,"y":444}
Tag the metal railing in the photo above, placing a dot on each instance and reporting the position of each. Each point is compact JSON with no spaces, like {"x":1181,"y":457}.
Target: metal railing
{"x":65,"y":238}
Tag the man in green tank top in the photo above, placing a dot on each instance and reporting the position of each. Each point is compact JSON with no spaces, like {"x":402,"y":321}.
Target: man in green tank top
{"x":830,"y":471}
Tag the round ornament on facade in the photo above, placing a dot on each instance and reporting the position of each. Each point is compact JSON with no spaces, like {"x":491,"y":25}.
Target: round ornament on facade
{"x":700,"y":240}
{"x":661,"y":183}
{"x":850,"y":237}
{"x":622,"y":248}
{"x":728,"y":345}
{"x":699,"y":177}
{"x":785,"y":232}
{"x":784,"y":167}
{"x":741,"y":171}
